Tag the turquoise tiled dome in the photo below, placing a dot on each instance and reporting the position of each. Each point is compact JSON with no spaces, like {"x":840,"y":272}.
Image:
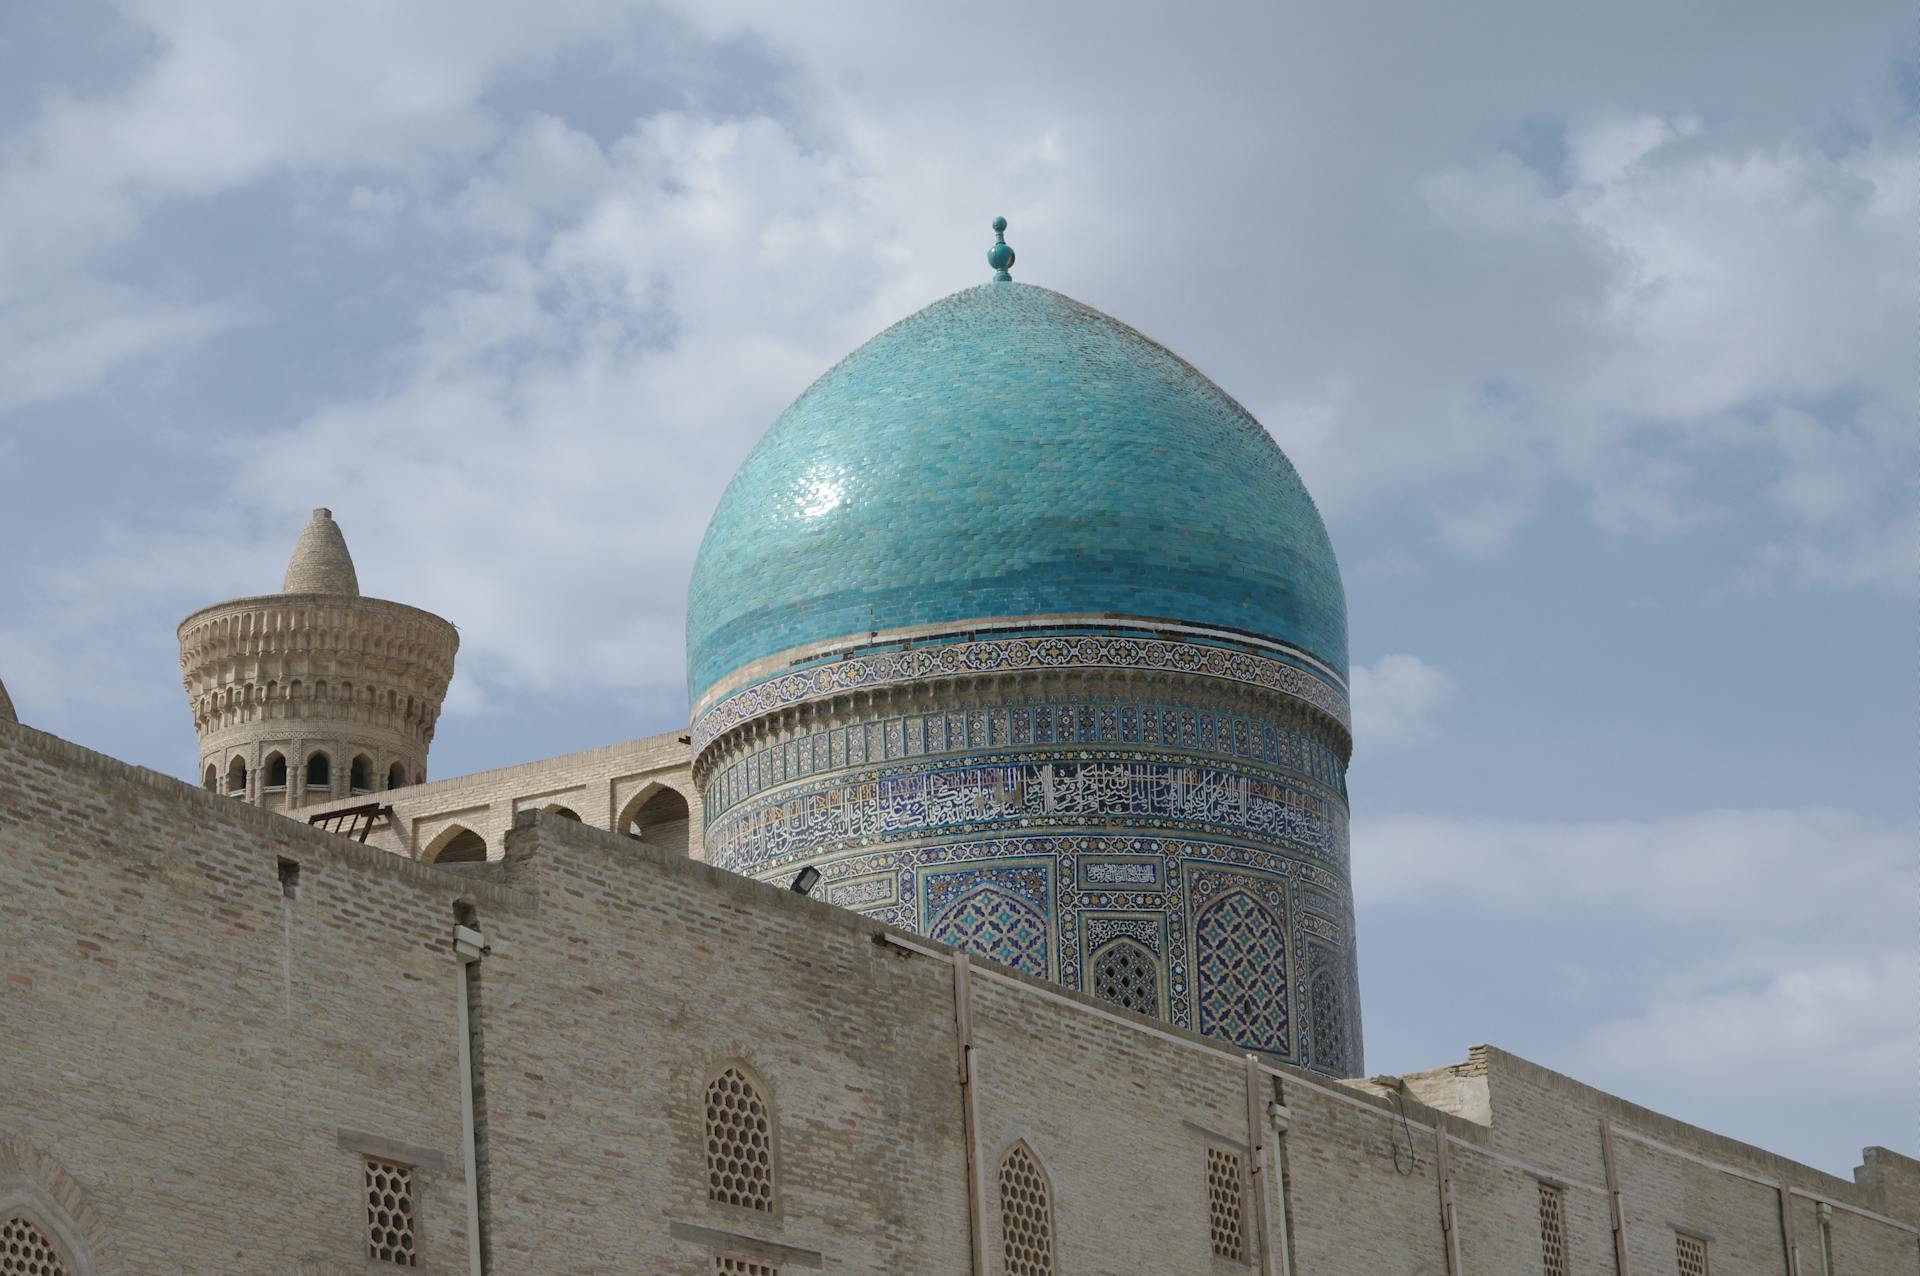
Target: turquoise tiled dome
{"x":1009,"y":452}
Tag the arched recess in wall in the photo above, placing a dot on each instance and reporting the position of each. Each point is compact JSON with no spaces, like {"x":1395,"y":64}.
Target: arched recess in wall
{"x":273,"y":772}
{"x":1126,"y":975}
{"x":996,"y":923}
{"x":212,"y":780}
{"x":456,"y":845}
{"x":1329,"y":1024}
{"x":659,"y":817}
{"x":1240,"y":956}
{"x":742,"y":1156}
{"x":564,"y":812}
{"x":37,"y":1231}
{"x":319,"y":772}
{"x":1026,"y":1213}
{"x":397,"y":776}
{"x":237,"y":776}
{"x":360,"y":774}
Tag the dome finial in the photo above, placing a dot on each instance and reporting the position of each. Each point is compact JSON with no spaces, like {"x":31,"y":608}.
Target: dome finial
{"x":1000,"y":256}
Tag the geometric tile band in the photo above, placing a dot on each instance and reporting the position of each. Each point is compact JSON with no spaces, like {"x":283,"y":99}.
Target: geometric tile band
{"x":867,"y":808}
{"x":1287,"y":748}
{"x":995,"y":655}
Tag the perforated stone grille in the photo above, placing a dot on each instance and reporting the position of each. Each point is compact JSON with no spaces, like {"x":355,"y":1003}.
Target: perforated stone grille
{"x":390,"y":1212}
{"x":26,"y":1251}
{"x":1691,"y":1255}
{"x":1553,"y":1231}
{"x":1026,"y":1215}
{"x":739,"y":1143}
{"x":724,"y":1266}
{"x":1123,"y":974}
{"x":1225,"y":1203}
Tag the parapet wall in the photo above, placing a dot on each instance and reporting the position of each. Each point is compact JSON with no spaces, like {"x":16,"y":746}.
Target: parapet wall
{"x":606,"y":788}
{"x":201,"y":1064}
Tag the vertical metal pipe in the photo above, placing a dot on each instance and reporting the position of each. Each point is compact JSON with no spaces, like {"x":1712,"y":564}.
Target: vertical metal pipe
{"x":467,"y":949}
{"x":1616,"y":1206}
{"x":976,"y":1174}
{"x":1449,"y":1224}
{"x":1786,"y":1231}
{"x":1281,"y":1121}
{"x":1257,"y":1163}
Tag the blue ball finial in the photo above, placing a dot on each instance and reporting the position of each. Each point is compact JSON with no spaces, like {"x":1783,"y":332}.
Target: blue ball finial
{"x":1000,"y":256}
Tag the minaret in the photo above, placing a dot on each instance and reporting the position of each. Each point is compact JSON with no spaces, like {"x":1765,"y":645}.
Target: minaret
{"x":314,"y":693}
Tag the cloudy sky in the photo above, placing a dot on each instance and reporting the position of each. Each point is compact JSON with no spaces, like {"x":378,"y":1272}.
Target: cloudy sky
{"x":1590,"y":327}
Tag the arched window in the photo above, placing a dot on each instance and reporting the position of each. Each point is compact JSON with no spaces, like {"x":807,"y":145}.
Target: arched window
{"x":1125,"y":974}
{"x":996,"y":923}
{"x":273,"y":773}
{"x":25,"y":1250}
{"x":1026,"y":1214}
{"x":237,"y":778}
{"x":1329,"y":1024}
{"x":660,"y":820}
{"x":360,"y":775}
{"x":1241,"y":958}
{"x":319,"y":772}
{"x":397,"y":776}
{"x":213,"y":777}
{"x":457,"y":845}
{"x":739,"y":1142}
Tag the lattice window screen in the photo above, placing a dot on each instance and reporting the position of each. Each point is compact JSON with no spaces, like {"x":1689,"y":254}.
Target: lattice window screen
{"x":1226,"y":1201}
{"x":724,"y":1266}
{"x":1026,"y":1214}
{"x":1553,"y":1230}
{"x":390,"y":1212}
{"x":1691,"y":1255}
{"x":739,"y":1143}
{"x":26,"y":1251}
{"x":1124,"y":974}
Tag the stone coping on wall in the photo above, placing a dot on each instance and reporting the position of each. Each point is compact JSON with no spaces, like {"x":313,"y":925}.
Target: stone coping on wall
{"x":675,"y":755}
{"x":277,"y":833}
{"x":1499,"y":1065}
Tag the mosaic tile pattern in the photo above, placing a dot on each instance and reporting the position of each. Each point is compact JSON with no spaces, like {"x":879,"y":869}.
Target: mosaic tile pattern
{"x":1161,"y":854}
{"x":863,"y":807}
{"x":977,"y":729}
{"x":1009,"y":451}
{"x":950,"y":659}
{"x":999,"y":925}
{"x":1310,"y":902}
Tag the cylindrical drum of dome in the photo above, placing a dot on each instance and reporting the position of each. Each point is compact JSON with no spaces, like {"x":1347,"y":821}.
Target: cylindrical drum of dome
{"x":1029,"y":638}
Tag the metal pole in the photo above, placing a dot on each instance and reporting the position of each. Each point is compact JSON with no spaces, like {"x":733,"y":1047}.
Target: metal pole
{"x":1616,"y":1206}
{"x":1449,"y":1229}
{"x":976,"y":1186}
{"x":1786,"y":1232}
{"x":468,"y":947}
{"x":1257,"y":1163}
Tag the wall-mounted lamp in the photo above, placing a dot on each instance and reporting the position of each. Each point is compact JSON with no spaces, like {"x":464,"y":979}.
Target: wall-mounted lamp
{"x":805,"y":880}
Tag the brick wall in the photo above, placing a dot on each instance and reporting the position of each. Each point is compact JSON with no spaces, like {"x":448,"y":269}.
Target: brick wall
{"x":186,"y":1049}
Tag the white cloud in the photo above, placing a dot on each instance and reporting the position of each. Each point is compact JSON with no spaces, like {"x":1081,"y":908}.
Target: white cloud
{"x":1761,"y":951}
{"x":1395,"y":699}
